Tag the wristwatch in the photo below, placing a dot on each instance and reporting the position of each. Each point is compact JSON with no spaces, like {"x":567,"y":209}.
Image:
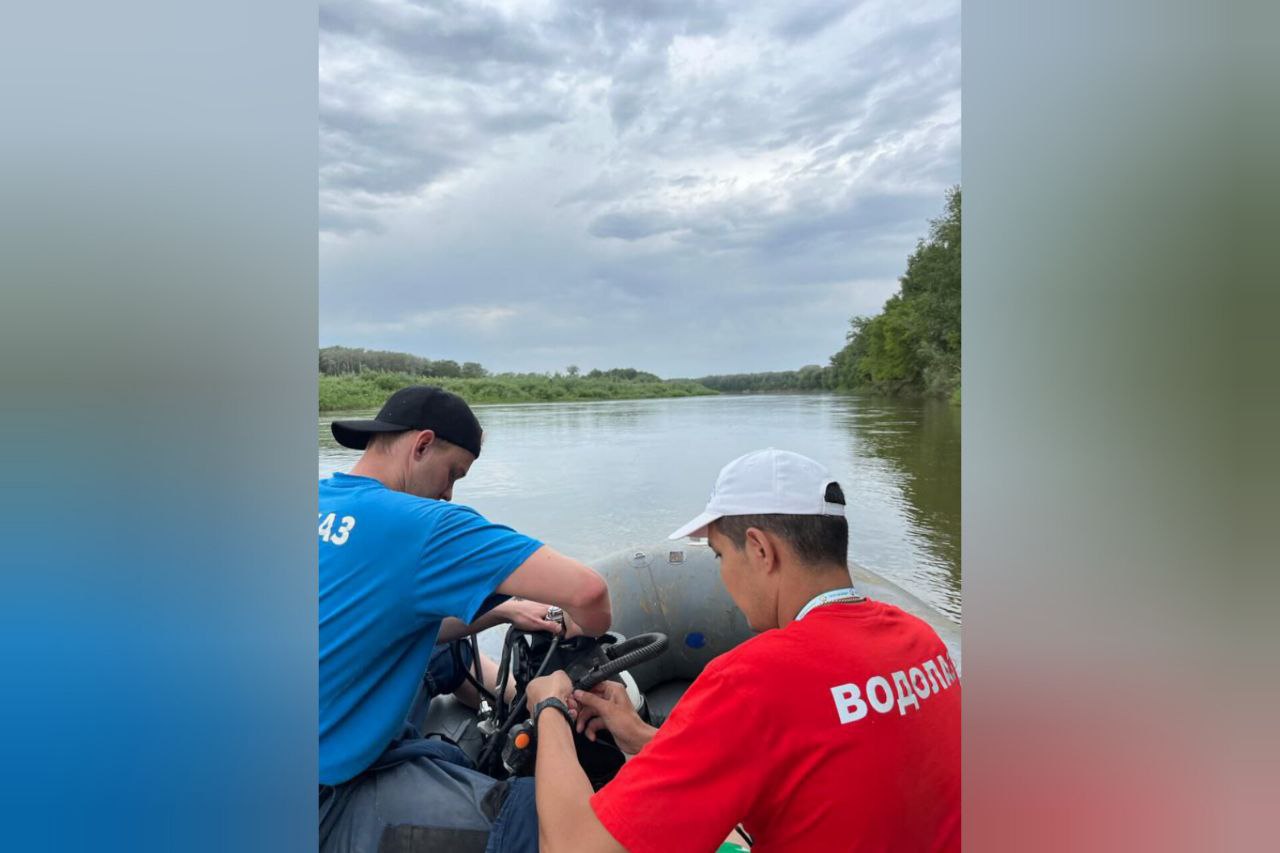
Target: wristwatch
{"x":553,"y":702}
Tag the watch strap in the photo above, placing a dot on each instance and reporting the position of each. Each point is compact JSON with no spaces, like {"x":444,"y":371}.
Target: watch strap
{"x":553,"y":702}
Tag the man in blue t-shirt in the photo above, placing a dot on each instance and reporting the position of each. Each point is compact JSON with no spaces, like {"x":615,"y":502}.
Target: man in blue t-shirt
{"x":403,"y":569}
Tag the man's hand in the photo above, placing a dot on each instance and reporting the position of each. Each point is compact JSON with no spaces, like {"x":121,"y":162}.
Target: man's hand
{"x":530,"y":615}
{"x":556,"y":685}
{"x":607,"y":706}
{"x":566,"y":822}
{"x":525,"y":614}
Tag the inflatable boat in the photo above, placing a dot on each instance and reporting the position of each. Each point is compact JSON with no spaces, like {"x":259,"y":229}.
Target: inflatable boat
{"x":671,"y":616}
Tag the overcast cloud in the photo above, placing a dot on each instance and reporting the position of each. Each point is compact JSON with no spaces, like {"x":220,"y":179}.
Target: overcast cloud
{"x":680,"y":186}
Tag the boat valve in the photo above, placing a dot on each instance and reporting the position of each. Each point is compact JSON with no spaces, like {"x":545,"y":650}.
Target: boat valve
{"x":520,"y":748}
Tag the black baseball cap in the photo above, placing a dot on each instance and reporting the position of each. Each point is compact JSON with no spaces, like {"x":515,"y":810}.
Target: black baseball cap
{"x":416,"y":407}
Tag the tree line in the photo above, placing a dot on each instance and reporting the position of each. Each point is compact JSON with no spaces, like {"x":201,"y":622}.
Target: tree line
{"x":353,"y":378}
{"x":353,"y":361}
{"x":811,"y":377}
{"x":370,"y":389}
{"x":345,"y":361}
{"x":914,"y":343}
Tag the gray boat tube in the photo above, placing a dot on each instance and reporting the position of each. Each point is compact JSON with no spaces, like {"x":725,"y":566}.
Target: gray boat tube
{"x":675,"y":589}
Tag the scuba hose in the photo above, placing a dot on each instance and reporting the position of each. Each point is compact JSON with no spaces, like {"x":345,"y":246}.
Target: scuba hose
{"x":476,"y":680}
{"x":475,"y":664}
{"x":509,"y":720}
{"x":604,"y":663}
{"x":622,"y":656}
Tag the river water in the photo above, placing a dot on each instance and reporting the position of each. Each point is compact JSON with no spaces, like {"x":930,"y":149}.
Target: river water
{"x":591,"y":479}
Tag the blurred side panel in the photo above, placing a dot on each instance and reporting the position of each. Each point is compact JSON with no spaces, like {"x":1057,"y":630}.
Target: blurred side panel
{"x":1120,"y":476}
{"x":157,"y":348}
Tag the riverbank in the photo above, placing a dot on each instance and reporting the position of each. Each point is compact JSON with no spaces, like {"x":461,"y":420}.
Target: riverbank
{"x":370,"y":390}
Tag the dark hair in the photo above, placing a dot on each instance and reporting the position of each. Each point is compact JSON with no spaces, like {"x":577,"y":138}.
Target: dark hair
{"x":815,"y":538}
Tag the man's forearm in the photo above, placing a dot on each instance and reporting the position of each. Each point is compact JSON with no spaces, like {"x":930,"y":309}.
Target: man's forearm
{"x":494,"y":616}
{"x":453,"y":629}
{"x":594,"y":615}
{"x":562,"y":789}
{"x":556,"y":579}
{"x":636,"y":739}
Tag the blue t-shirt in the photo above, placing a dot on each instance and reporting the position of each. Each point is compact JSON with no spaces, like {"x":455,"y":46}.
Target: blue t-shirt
{"x":392,"y":566}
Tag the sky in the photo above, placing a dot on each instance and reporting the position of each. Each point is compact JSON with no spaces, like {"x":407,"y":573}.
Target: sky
{"x":682,"y":186}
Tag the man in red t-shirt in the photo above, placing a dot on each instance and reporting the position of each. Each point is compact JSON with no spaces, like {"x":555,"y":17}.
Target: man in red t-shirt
{"x":837,"y":728}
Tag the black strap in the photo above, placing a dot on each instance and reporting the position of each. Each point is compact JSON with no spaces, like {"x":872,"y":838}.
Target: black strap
{"x":553,"y":702}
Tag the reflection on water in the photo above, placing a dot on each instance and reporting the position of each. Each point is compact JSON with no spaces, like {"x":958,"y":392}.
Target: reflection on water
{"x":919,"y":444}
{"x":594,"y":478}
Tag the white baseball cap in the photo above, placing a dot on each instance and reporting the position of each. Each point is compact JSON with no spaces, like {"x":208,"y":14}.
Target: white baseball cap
{"x":766,"y":482}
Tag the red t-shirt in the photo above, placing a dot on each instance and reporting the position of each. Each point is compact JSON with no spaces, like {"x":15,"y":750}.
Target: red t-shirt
{"x":838,"y":732}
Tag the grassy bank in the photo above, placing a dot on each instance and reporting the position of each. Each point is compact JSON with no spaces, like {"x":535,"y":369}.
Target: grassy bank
{"x":370,"y":390}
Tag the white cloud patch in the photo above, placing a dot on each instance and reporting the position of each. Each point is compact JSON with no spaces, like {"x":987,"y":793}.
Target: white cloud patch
{"x":684,"y":187}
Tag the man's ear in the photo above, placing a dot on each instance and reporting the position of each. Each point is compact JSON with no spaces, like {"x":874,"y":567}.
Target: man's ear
{"x":422,"y":442}
{"x":761,"y":550}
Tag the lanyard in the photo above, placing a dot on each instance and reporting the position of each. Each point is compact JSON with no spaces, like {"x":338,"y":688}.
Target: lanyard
{"x":828,"y":597}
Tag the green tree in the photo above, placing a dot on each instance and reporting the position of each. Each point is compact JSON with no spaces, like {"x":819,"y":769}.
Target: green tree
{"x":914,"y":343}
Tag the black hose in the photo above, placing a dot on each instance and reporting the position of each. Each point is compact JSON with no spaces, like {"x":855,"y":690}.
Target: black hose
{"x":500,"y":735}
{"x":477,"y":666}
{"x":625,"y":655}
{"x":456,"y":652}
{"x":551,"y":650}
{"x":504,"y":668}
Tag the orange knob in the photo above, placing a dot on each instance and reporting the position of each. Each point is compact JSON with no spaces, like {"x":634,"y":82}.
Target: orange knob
{"x":522,"y":740}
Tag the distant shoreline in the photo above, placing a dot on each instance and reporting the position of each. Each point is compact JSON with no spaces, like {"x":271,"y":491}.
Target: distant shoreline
{"x":370,"y":390}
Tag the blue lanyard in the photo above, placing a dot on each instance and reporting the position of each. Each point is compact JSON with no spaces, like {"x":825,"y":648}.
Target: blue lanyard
{"x":828,"y":597}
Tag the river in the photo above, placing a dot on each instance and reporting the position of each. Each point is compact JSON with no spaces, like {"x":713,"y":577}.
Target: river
{"x":590,"y":479}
